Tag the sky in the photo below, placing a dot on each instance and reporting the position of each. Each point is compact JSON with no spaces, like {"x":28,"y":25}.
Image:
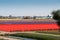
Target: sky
{"x":28,"y":7}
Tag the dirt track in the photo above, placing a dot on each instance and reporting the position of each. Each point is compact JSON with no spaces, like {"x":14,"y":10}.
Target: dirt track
{"x":27,"y":20}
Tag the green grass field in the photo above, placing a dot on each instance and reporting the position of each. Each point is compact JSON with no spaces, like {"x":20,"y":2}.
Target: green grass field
{"x":38,"y":36}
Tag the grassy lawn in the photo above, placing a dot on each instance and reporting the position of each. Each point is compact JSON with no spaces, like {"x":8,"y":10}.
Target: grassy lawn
{"x":50,"y":32}
{"x":2,"y":39}
{"x":38,"y":36}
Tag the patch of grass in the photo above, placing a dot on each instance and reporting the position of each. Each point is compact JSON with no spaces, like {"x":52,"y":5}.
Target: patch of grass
{"x":50,"y":32}
{"x":2,"y":39}
{"x":36,"y":36}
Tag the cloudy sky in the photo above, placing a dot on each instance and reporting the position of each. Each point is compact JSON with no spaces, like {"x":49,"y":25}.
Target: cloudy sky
{"x":28,"y":7}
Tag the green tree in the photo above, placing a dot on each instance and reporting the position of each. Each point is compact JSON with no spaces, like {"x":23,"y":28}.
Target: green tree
{"x":56,"y":16}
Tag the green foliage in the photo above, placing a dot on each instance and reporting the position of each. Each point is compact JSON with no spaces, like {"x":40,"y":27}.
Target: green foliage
{"x":56,"y":15}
